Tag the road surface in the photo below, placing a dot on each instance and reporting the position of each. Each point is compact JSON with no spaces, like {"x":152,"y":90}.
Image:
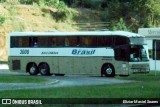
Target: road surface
{"x":58,"y":81}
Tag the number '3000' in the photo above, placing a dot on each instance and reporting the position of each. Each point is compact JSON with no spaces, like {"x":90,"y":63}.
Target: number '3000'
{"x":24,"y":51}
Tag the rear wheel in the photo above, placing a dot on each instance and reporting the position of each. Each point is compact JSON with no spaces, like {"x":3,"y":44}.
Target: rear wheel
{"x":32,"y":69}
{"x":108,"y":70}
{"x":44,"y":69}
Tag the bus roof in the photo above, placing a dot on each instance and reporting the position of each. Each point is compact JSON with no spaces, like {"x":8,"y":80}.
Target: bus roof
{"x":79,"y":33}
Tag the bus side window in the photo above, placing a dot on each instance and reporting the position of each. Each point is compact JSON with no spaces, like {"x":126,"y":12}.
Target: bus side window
{"x":72,"y":41}
{"x":109,"y":41}
{"x":119,"y":40}
{"x":33,"y":42}
{"x":60,"y":41}
{"x":84,"y":41}
{"x":51,"y":41}
{"x":120,"y":54}
{"x":14,"y":42}
{"x":24,"y":42}
{"x":42,"y":41}
{"x":92,"y":41}
{"x":101,"y":41}
{"x":67,"y":42}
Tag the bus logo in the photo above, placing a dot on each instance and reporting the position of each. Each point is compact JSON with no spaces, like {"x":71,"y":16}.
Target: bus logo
{"x":83,"y":52}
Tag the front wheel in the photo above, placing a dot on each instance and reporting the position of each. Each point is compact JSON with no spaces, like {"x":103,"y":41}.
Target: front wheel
{"x":108,"y":70}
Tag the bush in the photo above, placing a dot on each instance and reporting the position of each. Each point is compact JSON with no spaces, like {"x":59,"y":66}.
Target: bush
{"x":29,"y":1}
{"x":1,"y":1}
{"x":62,"y":15}
{"x":120,"y":25}
{"x":2,"y":20}
{"x":53,"y":3}
{"x":12,"y":2}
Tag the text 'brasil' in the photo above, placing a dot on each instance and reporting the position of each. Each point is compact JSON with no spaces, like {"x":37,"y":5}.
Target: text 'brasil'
{"x":83,"y":52}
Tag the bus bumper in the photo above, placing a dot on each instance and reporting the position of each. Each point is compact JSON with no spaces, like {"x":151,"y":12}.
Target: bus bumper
{"x":139,"y":68}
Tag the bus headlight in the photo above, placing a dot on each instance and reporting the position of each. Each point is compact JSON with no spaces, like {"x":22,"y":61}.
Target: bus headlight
{"x":124,"y":67}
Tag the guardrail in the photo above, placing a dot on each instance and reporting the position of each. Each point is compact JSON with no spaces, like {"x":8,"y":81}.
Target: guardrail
{"x":93,"y":26}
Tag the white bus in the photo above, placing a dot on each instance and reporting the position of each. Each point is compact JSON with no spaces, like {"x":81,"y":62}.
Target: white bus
{"x":103,"y":53}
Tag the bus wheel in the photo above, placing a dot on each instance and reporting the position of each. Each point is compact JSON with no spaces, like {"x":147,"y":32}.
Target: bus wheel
{"x":32,"y":69}
{"x":108,"y":70}
{"x":44,"y":69}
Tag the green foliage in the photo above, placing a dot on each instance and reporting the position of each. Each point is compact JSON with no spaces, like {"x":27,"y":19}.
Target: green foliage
{"x":53,"y":3}
{"x":2,"y":20}
{"x":1,"y":1}
{"x":120,"y":25}
{"x":62,"y":15}
{"x":122,"y":14}
{"x":135,"y":14}
{"x":86,"y":3}
{"x":29,"y":1}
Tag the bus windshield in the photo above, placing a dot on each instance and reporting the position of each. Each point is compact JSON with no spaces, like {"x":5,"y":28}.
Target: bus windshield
{"x":138,"y":53}
{"x":137,"y":40}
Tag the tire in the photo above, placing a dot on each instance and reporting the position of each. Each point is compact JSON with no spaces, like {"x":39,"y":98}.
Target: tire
{"x":44,"y":69}
{"x":32,"y":69}
{"x":108,"y":70}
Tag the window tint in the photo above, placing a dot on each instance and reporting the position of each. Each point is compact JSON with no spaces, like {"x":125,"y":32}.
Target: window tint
{"x":119,"y":40}
{"x":101,"y":41}
{"x":33,"y":42}
{"x":72,"y":41}
{"x":88,"y":41}
{"x":122,"y":53}
{"x":19,"y":42}
{"x":109,"y":41}
{"x":104,"y":41}
{"x":14,"y":42}
{"x":51,"y":41}
{"x":61,"y":41}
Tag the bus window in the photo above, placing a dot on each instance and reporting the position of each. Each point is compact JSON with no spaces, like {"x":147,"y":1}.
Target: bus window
{"x":119,"y":40}
{"x":33,"y":42}
{"x":101,"y":41}
{"x":51,"y":41}
{"x":42,"y":41}
{"x":84,"y":41}
{"x":67,"y":42}
{"x":24,"y":41}
{"x":60,"y":41}
{"x":14,"y":42}
{"x":89,"y":41}
{"x":109,"y":41}
{"x":105,"y":41}
{"x":121,"y":53}
{"x":73,"y":41}
{"x":19,"y":42}
{"x":92,"y":41}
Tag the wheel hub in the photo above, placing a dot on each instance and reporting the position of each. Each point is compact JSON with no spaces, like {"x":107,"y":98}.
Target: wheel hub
{"x":32,"y":69}
{"x":109,"y":71}
{"x":43,"y":71}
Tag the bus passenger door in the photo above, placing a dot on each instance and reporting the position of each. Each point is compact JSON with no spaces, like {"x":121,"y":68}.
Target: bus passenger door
{"x":122,"y":58}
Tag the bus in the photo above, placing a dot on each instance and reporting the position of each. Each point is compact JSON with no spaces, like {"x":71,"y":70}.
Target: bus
{"x":100,"y":53}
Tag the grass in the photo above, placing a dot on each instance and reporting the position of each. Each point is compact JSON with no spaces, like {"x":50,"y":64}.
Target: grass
{"x":146,"y":86}
{"x":21,"y":79}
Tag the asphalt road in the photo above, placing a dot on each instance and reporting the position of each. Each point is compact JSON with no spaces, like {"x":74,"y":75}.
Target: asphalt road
{"x":58,"y":81}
